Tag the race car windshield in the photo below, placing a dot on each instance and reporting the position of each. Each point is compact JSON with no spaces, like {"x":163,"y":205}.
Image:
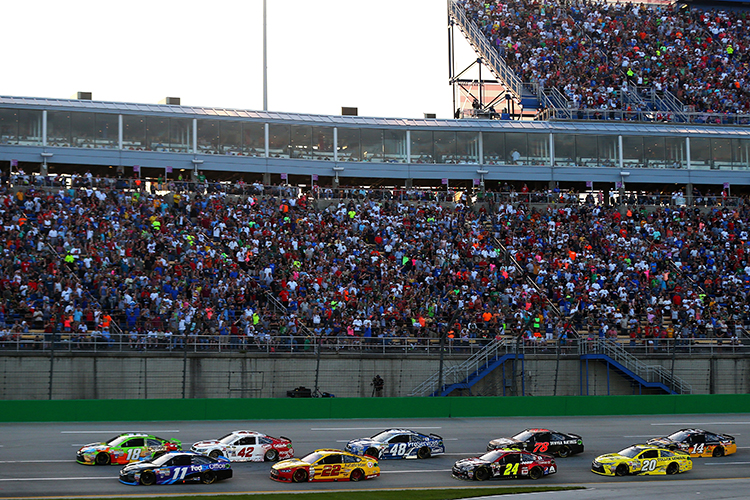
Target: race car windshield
{"x":630,"y":452}
{"x":523,"y":436}
{"x":679,"y":436}
{"x":162,"y":459}
{"x":491,"y":456}
{"x":226,"y":439}
{"x":118,"y":440}
{"x":383,"y":437}
{"x":312,"y":458}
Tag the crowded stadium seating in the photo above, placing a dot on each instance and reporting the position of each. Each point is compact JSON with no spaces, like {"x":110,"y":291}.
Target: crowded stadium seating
{"x":599,"y":54}
{"x":158,"y":265}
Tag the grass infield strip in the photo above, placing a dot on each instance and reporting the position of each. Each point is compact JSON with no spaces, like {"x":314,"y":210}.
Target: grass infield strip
{"x":399,"y":494}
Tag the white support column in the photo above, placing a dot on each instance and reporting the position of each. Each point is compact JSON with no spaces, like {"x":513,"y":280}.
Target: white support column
{"x":335,"y":144}
{"x":551,"y":150}
{"x":408,"y":146}
{"x":481,"y":148}
{"x":119,"y":131}
{"x":44,"y":128}
{"x":621,"y":161}
{"x":195,"y":136}
{"x":687,"y":152}
{"x":266,"y":139}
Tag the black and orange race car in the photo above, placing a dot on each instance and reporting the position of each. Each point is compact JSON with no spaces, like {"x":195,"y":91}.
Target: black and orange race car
{"x":698,"y":443}
{"x":541,"y":441}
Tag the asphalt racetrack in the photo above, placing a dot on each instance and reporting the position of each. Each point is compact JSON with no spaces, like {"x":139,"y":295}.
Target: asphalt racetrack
{"x":38,"y":460}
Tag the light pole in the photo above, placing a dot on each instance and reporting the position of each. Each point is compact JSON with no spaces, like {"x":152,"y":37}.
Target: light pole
{"x":265,"y":61}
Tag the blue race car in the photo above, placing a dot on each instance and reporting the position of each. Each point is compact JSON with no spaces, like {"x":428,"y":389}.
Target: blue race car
{"x":397,"y":443}
{"x":177,"y":467}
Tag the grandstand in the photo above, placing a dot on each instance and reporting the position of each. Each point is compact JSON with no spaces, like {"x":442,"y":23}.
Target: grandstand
{"x":139,"y":231}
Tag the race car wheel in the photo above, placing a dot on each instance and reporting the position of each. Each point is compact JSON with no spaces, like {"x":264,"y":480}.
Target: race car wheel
{"x":102,"y":459}
{"x":564,"y":452}
{"x":673,"y":468}
{"x":621,"y":470}
{"x":148,"y":478}
{"x":482,"y":474}
{"x":214,"y":454}
{"x":535,"y":473}
{"x":372,"y":452}
{"x":356,"y":475}
{"x":271,"y":456}
{"x":718,"y":452}
{"x":208,"y":477}
{"x":424,"y":452}
{"x":299,"y":476}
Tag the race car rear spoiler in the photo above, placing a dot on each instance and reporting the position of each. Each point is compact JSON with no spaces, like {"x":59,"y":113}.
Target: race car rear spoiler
{"x":436,"y":436}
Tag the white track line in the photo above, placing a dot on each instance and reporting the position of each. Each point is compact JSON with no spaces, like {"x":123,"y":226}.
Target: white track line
{"x":360,"y":428}
{"x":120,"y":432}
{"x":57,"y":479}
{"x":410,"y":471}
{"x":32,"y":461}
{"x":705,"y":423}
{"x":726,"y":463}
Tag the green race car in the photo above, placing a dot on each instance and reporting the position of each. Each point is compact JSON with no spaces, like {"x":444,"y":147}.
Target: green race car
{"x":126,"y":448}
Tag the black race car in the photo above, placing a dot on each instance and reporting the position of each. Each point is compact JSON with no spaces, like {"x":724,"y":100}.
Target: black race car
{"x":698,"y":443}
{"x":177,"y":467}
{"x":541,"y":441}
{"x":505,"y":463}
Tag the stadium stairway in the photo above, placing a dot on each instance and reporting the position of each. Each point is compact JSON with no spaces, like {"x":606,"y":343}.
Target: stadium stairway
{"x":646,"y":376}
{"x":466,"y":374}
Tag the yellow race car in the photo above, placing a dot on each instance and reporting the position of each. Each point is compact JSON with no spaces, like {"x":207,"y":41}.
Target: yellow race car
{"x":642,"y":459}
{"x":326,"y":465}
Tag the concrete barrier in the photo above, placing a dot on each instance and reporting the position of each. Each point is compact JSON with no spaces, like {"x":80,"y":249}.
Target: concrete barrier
{"x":341,"y":408}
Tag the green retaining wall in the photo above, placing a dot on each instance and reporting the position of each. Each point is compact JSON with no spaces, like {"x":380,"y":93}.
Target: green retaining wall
{"x":337,"y":408}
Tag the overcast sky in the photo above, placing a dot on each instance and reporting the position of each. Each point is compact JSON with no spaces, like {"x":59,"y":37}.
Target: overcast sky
{"x":386,"y":57}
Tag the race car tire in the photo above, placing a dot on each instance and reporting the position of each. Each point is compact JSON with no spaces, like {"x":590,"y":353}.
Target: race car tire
{"x":148,"y":478}
{"x":482,"y":474}
{"x":102,"y":459}
{"x":214,"y":454}
{"x":271,"y":456}
{"x":299,"y":476}
{"x":718,"y":452}
{"x":535,"y":473}
{"x":424,"y":452}
{"x":356,"y":475}
{"x":621,"y":470}
{"x":208,"y":477}
{"x":372,"y":452}
{"x":673,"y":468}
{"x":564,"y":452}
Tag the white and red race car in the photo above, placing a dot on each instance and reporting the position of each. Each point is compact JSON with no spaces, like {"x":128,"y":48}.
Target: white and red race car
{"x":246,"y":446}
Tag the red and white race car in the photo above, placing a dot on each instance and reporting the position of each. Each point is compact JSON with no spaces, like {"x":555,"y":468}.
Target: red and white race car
{"x":246,"y":446}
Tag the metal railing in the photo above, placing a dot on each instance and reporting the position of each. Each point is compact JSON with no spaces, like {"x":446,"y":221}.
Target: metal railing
{"x":649,"y":373}
{"x":650,"y":116}
{"x":459,"y":373}
{"x":482,"y":47}
{"x":165,"y":342}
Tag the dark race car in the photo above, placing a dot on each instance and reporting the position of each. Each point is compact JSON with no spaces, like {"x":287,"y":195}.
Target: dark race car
{"x":541,"y":441}
{"x":698,"y":443}
{"x":505,"y":463}
{"x":177,"y":467}
{"x":397,"y":443}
